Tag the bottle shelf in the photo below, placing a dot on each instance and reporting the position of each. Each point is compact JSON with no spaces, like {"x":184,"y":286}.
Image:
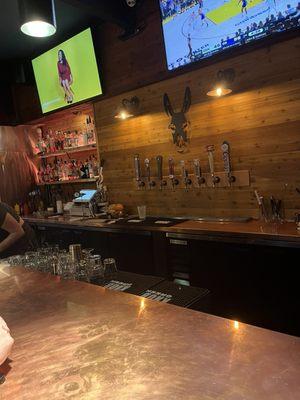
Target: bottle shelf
{"x":71,"y":181}
{"x":89,"y":147}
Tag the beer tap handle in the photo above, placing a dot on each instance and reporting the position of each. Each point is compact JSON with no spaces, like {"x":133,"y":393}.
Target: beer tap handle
{"x":198,"y":172}
{"x":174,"y":180}
{"x":148,"y":173}
{"x":171,"y":168}
{"x":159,"y":161}
{"x":185,"y":175}
{"x":137,"y":169}
{"x":227,"y":162}
{"x":215,"y":179}
{"x":147,"y":168}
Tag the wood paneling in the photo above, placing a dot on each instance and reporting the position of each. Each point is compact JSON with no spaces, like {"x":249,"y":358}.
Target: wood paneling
{"x":261,"y":120}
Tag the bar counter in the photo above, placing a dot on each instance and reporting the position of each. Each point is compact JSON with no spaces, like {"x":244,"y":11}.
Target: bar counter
{"x":254,"y":231}
{"x":74,"y":340}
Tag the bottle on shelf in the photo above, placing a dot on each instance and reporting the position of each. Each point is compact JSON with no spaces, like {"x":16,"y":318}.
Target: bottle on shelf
{"x":68,"y":170}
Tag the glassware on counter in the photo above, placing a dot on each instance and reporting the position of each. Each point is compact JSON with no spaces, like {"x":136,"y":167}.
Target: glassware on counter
{"x":50,"y":259}
{"x":142,"y":212}
{"x":110,"y":268}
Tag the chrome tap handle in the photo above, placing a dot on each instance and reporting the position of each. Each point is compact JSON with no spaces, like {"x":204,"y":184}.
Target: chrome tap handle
{"x":137,"y":167}
{"x":210,"y":149}
{"x":227,"y":162}
{"x":198,"y":172}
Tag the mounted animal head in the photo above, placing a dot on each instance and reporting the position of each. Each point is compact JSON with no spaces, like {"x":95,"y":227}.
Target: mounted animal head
{"x":179,"y":124}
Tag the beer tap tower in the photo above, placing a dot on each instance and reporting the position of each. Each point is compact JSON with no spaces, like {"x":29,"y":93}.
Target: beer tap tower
{"x":187,"y":180}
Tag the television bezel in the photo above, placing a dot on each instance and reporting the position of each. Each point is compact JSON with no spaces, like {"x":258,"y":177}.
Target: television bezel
{"x":230,"y":52}
{"x":57,"y":43}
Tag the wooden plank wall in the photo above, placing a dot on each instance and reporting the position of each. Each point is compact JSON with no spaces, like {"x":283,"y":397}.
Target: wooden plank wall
{"x":261,"y":120}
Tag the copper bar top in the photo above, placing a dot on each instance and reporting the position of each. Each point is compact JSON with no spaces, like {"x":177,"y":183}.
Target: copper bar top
{"x":245,"y":231}
{"x":74,"y":340}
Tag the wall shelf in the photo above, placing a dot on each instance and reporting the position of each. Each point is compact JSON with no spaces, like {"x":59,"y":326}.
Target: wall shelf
{"x":89,"y":147}
{"x":73,"y":181}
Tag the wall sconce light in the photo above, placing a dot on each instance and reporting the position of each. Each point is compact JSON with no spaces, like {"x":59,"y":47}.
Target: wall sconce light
{"x":37,"y":17}
{"x":223,"y":83}
{"x":128,"y":108}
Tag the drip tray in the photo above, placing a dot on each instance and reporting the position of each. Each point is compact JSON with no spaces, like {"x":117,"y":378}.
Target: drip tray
{"x":216,"y":219}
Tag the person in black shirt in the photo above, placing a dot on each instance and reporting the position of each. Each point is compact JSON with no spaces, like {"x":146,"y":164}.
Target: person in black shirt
{"x":16,"y":236}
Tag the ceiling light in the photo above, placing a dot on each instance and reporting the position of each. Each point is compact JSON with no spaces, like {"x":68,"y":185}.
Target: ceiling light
{"x":37,"y":17}
{"x":223,"y":83}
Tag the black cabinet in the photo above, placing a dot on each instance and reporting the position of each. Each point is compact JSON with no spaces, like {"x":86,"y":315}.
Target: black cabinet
{"x":133,"y":251}
{"x":252,"y":283}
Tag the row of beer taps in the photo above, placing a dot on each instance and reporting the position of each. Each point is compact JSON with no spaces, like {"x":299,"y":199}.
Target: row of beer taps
{"x":147,"y":179}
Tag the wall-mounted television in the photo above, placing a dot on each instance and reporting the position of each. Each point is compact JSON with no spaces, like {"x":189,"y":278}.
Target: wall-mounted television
{"x":68,"y":73}
{"x":198,"y":29}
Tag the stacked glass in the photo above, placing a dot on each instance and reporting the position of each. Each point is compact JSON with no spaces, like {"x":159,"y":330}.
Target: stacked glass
{"x":51,"y":259}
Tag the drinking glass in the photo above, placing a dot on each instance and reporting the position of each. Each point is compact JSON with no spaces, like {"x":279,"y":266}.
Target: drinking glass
{"x":30,"y":259}
{"x":15,"y":261}
{"x":110,"y":267}
{"x":95,"y":267}
{"x":87,"y":252}
{"x":141,"y":212}
{"x":64,"y":265}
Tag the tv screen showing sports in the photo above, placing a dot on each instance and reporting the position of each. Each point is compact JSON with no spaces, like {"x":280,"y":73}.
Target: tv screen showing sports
{"x":198,"y":29}
{"x":68,"y":73}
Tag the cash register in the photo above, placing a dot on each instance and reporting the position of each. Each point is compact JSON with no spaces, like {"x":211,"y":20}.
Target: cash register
{"x":85,"y":203}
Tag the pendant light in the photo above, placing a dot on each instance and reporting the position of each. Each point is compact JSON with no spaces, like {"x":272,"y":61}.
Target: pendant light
{"x":223,"y":83}
{"x":37,"y":17}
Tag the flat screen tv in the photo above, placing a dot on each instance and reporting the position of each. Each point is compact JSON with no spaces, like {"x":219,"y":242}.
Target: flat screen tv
{"x":198,"y":29}
{"x":68,"y":73}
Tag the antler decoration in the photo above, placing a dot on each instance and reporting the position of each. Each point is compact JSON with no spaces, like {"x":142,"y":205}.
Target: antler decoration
{"x":179,"y":124}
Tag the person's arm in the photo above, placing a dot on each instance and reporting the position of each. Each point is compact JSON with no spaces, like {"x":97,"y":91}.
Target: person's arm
{"x":15,"y":232}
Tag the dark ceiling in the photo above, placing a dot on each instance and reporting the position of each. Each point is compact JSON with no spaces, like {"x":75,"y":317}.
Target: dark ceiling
{"x":71,"y":15}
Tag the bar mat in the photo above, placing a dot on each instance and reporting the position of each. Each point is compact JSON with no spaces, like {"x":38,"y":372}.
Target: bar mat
{"x":172,"y":293}
{"x":150,"y":221}
{"x":129,"y":282}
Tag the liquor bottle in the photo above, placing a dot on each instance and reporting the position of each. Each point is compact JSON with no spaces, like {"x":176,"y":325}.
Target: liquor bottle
{"x":82,"y":171}
{"x":59,"y":169}
{"x":47,"y":142}
{"x":46,"y":176}
{"x":52,"y":148}
{"x":65,"y":170}
{"x":95,"y":166}
{"x":86,"y":166}
{"x":57,"y":141}
{"x":91,"y":169}
{"x":26,"y":210}
{"x":40,"y":175}
{"x":61,"y":139}
{"x":50,"y":172}
{"x":17,"y":209}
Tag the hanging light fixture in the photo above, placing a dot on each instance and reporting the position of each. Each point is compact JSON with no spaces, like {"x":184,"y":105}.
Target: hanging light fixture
{"x":37,"y":17}
{"x":128,"y":108}
{"x":223,"y":83}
